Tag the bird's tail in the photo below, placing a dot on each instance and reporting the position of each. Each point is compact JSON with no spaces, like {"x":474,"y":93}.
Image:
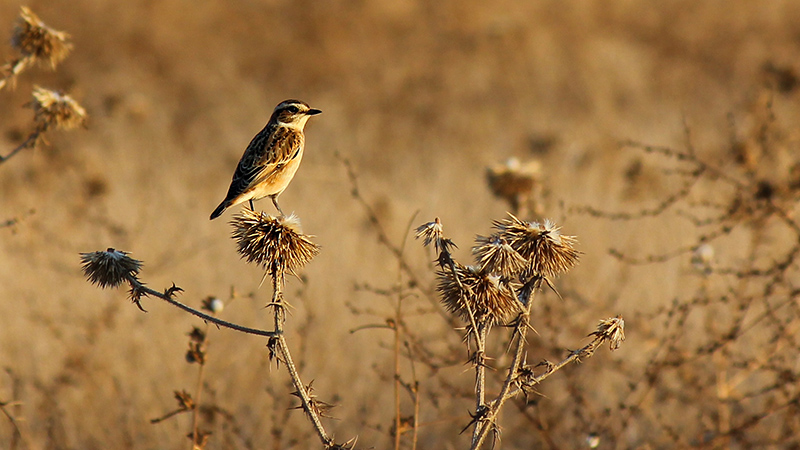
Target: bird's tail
{"x":220,"y":209}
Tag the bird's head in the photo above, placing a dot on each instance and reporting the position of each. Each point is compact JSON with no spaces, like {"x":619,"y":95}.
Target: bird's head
{"x":293,"y":113}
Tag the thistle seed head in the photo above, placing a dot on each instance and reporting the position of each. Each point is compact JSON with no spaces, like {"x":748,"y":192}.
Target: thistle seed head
{"x":494,"y":255}
{"x":109,"y":268}
{"x":434,"y":232}
{"x":513,"y":180}
{"x":51,"y":108}
{"x":611,"y":330}
{"x":275,"y":243}
{"x":33,"y":39}
{"x":487,"y":296}
{"x":547,"y":252}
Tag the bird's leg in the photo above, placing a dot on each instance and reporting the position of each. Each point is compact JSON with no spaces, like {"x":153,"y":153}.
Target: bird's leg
{"x":275,"y":202}
{"x":251,"y":206}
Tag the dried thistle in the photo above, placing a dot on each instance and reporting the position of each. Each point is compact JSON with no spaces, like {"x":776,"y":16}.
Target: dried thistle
{"x":434,"y":232}
{"x":51,"y":108}
{"x":611,"y":330}
{"x":197,"y":335}
{"x":196,"y":353}
{"x":275,"y":243}
{"x":185,"y":402}
{"x":33,"y":39}
{"x":487,"y":296}
{"x":494,"y":255}
{"x":514,"y":181}
{"x":109,"y":268}
{"x":547,"y":251}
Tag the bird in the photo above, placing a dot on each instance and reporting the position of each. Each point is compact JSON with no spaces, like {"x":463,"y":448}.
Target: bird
{"x":271,"y":159}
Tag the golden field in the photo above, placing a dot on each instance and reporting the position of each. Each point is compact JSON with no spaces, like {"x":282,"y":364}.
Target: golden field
{"x":421,"y":97}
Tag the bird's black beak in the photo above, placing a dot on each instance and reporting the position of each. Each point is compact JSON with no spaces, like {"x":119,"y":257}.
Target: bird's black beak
{"x":313,"y":112}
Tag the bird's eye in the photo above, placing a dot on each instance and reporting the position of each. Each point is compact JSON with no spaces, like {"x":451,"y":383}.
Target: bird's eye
{"x":293,"y":109}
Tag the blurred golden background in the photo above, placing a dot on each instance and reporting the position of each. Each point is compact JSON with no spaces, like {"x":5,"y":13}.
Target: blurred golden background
{"x":421,"y":97}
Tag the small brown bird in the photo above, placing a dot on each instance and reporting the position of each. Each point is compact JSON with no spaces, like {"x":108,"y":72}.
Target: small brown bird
{"x":272,"y":158}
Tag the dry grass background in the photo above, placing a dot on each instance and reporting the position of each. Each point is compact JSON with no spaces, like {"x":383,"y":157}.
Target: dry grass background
{"x":421,"y":96}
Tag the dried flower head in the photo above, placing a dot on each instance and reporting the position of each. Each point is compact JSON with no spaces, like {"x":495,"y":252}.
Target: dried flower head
{"x":494,"y":255}
{"x":513,"y":180}
{"x":487,"y":296}
{"x":611,"y":330}
{"x":275,"y":243}
{"x":52,"y":108}
{"x":109,"y":268}
{"x":546,"y":250}
{"x":433,"y":232}
{"x":33,"y":39}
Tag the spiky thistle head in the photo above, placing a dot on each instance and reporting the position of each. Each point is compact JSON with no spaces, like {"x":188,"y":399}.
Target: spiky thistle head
{"x":547,"y":251}
{"x":611,"y":330}
{"x":433,"y":232}
{"x":33,"y":39}
{"x":109,"y":268}
{"x":495,"y":255}
{"x":275,"y":243}
{"x":469,"y":290}
{"x":51,"y":108}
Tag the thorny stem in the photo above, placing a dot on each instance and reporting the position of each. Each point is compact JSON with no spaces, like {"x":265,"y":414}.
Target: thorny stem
{"x":509,"y":391}
{"x":28,"y":143}
{"x":197,"y":397}
{"x":286,"y":357}
{"x":479,"y":333}
{"x":15,"y":69}
{"x":480,"y":368}
{"x":137,"y":285}
{"x":485,"y":423}
{"x":396,"y":327}
{"x":17,"y":434}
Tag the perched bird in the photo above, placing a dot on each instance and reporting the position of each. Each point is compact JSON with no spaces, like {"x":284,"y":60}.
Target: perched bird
{"x":272,"y":158}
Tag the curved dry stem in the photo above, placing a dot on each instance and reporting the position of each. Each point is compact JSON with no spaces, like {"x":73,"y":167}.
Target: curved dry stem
{"x":137,"y":286}
{"x":30,"y":142}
